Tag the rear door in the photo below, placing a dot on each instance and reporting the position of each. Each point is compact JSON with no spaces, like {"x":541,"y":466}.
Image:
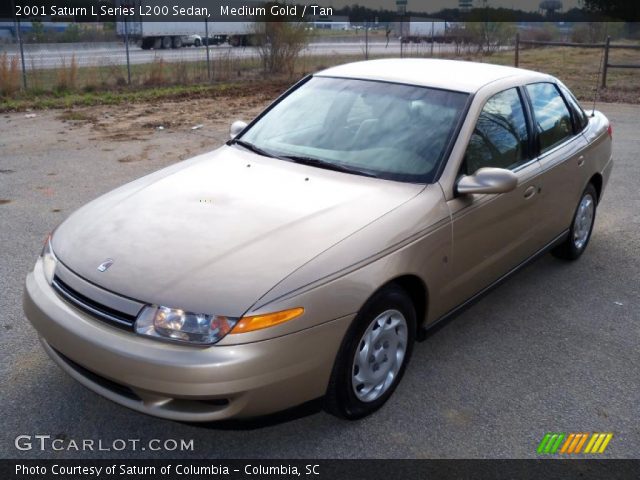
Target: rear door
{"x":561,"y":152}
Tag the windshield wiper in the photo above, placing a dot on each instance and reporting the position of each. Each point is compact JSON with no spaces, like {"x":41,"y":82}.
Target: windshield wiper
{"x":316,"y":162}
{"x":252,"y":147}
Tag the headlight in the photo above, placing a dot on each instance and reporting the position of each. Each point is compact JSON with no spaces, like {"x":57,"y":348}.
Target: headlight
{"x":178,"y":325}
{"x":49,"y":260}
{"x":201,"y":329}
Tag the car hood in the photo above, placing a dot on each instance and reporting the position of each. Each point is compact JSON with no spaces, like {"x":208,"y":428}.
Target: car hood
{"x":216,"y":232}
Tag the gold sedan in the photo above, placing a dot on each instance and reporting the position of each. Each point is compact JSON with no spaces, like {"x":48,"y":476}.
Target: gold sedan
{"x":303,"y":258}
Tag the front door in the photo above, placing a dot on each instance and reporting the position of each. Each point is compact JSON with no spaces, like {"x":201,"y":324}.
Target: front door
{"x":493,"y":233}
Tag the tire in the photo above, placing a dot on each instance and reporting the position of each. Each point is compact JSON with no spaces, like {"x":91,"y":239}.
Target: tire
{"x":197,"y":43}
{"x":177,"y":42}
{"x":166,"y":43}
{"x":581,"y":226}
{"x":361,"y":383}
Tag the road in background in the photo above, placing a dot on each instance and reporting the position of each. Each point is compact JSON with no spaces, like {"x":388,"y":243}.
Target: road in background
{"x":554,"y":349}
{"x":47,"y":56}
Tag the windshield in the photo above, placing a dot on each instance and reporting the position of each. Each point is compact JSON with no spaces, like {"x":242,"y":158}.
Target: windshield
{"x":392,"y":131}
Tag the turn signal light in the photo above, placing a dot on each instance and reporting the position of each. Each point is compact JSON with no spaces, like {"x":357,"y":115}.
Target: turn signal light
{"x":258,"y":322}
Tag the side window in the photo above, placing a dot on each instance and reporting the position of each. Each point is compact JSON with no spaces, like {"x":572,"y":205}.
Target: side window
{"x":500,"y":137}
{"x":551,"y":113}
{"x":579,"y":117}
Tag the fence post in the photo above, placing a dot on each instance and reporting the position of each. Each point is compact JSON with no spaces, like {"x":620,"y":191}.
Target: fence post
{"x":206,"y":32}
{"x":21,"y":44}
{"x":401,"y":35}
{"x":432,"y":35}
{"x":605,"y":65}
{"x":517,"y":60}
{"x":366,"y":40}
{"x":126,"y":42}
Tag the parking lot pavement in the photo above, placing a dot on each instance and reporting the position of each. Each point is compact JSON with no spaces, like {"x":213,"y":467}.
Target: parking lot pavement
{"x":554,"y":349}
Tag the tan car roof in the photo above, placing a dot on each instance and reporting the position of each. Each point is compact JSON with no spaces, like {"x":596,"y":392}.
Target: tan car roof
{"x":447,"y":74}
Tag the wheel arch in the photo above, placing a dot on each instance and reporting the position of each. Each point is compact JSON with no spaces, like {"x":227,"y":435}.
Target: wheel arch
{"x":597,"y":181}
{"x":417,"y":290}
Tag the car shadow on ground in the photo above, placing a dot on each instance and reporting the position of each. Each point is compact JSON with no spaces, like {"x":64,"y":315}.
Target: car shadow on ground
{"x":301,"y":411}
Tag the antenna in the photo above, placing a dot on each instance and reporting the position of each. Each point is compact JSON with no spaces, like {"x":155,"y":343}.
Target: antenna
{"x":601,"y":66}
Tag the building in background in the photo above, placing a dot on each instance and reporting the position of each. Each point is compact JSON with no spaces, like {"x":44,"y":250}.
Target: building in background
{"x":334,"y":22}
{"x":465,"y":5}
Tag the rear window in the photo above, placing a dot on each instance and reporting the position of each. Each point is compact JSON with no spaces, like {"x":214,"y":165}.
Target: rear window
{"x":552,"y":117}
{"x":580,"y":118}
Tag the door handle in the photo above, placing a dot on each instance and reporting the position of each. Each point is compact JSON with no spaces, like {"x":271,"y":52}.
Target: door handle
{"x":530,"y":192}
{"x":581,"y":160}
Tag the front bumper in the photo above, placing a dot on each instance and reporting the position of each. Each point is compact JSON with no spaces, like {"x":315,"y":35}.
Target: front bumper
{"x":180,"y":382}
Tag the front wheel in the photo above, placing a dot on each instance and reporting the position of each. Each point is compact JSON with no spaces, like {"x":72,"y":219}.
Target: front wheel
{"x":373,"y":355}
{"x":581,"y":227}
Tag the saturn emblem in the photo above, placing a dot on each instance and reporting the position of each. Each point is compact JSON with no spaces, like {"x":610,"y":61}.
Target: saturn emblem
{"x":104,"y":266}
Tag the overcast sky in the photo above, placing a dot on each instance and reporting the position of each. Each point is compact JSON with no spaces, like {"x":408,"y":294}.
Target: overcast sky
{"x":435,"y":5}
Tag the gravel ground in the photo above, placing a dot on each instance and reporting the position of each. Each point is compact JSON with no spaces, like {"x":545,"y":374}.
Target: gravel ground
{"x":553,"y":349}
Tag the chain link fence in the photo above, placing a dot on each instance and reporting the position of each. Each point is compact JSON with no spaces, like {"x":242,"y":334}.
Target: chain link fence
{"x":60,"y":57}
{"x":92,"y":57}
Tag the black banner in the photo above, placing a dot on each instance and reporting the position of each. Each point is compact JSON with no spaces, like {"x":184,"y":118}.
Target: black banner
{"x":319,"y":469}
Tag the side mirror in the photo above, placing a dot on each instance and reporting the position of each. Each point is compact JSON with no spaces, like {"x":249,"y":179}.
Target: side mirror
{"x":488,"y":180}
{"x":237,"y":127}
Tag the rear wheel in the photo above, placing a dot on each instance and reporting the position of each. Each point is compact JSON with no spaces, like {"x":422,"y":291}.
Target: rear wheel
{"x":373,"y":355}
{"x":177,"y":42}
{"x":581,"y":227}
{"x":197,"y":43}
{"x":166,"y":42}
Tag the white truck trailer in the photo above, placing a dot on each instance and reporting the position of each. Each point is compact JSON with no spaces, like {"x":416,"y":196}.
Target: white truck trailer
{"x":157,"y":35}
{"x":418,"y":30}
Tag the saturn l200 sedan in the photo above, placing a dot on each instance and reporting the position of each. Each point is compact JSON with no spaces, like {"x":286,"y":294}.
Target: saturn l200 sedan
{"x":303,"y":258}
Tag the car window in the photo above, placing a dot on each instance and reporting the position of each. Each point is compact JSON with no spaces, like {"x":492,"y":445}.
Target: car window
{"x":579,"y":117}
{"x":500,"y":137}
{"x":552,"y":116}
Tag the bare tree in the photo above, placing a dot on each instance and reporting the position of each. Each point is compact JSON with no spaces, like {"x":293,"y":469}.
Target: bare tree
{"x":490,"y":37}
{"x":279,"y":45}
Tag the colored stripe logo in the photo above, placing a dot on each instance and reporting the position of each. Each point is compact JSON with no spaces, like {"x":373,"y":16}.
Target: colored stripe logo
{"x":573,"y":443}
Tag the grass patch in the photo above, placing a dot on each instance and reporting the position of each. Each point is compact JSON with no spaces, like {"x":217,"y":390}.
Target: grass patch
{"x":579,"y":69}
{"x":9,"y":74}
{"x":75,"y":116}
{"x":69,"y":100}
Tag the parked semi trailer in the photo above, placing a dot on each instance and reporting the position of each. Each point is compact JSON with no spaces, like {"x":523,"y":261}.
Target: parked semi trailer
{"x":418,"y":30}
{"x":161,"y":35}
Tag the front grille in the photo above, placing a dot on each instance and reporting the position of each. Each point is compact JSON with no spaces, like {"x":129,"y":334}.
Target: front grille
{"x":93,"y":308}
